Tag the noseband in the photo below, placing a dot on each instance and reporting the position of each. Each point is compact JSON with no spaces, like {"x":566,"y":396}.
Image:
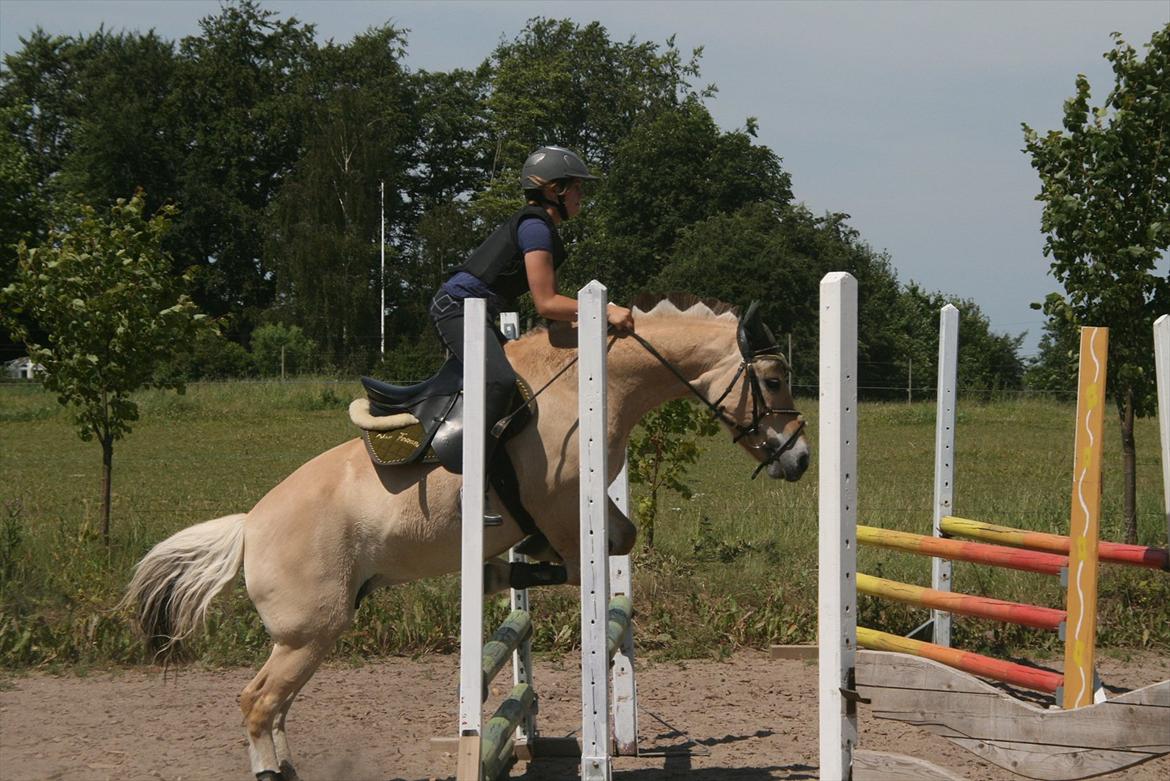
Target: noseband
{"x":760,"y":408}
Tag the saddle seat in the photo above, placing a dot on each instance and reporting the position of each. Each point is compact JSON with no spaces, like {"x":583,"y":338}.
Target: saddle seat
{"x":386,"y":398}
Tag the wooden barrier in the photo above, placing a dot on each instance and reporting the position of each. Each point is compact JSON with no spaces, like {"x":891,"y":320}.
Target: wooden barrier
{"x":486,"y":751}
{"x":905,"y":682}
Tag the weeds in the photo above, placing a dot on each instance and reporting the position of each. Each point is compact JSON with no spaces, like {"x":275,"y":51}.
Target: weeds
{"x":734,"y":564}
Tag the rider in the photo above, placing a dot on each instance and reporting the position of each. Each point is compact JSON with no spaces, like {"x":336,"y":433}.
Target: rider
{"x":521,"y":255}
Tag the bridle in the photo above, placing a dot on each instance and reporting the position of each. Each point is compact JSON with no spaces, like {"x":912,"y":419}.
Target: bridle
{"x":760,"y":408}
{"x":747,"y":370}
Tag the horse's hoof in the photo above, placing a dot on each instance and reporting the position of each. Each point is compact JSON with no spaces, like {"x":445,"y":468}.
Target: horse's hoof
{"x":270,"y":775}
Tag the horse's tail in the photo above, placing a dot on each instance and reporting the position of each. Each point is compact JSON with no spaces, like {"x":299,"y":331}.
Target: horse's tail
{"x":175,"y":582}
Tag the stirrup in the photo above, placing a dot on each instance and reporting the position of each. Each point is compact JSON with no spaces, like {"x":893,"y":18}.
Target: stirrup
{"x":490,"y":518}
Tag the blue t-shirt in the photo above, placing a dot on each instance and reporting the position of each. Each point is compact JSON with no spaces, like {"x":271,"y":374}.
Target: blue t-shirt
{"x":533,"y":234}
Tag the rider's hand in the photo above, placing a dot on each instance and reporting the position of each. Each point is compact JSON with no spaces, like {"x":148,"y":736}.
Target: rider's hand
{"x":619,"y":317}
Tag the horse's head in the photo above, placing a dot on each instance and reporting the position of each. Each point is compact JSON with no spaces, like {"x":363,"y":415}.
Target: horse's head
{"x":758,"y":403}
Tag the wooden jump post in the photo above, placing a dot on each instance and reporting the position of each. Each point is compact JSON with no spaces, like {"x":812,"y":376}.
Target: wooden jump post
{"x":904,"y":682}
{"x":486,"y":751}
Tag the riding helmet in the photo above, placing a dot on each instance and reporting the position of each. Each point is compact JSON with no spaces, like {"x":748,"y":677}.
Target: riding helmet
{"x":550,"y":163}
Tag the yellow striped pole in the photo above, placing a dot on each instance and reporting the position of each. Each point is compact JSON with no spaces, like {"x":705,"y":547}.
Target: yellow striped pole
{"x":1081,"y":629}
{"x":1109,"y":552}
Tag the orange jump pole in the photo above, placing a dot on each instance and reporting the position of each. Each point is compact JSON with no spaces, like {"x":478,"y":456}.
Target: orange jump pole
{"x":1111,"y":552}
{"x":959,"y":550}
{"x":976,"y":664}
{"x":964,"y":604}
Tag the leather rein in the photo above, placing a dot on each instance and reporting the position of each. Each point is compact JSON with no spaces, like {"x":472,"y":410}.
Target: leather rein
{"x":747,"y":370}
{"x":760,"y":408}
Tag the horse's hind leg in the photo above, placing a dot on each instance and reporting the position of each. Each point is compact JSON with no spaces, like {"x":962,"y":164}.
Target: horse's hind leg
{"x":268,"y":698}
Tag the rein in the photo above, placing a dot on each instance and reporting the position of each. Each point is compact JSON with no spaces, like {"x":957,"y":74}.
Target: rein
{"x":746,"y":370}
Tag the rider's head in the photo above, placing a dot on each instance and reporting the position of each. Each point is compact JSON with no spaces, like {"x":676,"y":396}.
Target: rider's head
{"x":552,"y":176}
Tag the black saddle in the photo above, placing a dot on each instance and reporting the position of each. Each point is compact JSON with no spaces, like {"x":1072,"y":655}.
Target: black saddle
{"x":437,"y":403}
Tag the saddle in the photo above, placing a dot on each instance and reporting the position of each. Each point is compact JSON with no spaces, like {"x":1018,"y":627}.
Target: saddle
{"x":423,"y":423}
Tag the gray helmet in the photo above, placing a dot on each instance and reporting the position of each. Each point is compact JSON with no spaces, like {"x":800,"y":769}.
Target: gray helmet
{"x":550,"y":163}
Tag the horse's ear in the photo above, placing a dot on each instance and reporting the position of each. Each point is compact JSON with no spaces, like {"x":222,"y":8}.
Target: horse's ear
{"x":753,"y":336}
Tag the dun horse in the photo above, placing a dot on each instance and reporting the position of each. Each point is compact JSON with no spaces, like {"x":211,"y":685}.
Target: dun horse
{"x":340,"y":526}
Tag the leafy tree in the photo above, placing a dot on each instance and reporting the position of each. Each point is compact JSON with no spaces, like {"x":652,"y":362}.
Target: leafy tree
{"x":662,"y":449}
{"x":102,"y":289}
{"x":1054,"y":369}
{"x":360,"y":132}
{"x":1107,"y":223}
{"x":778,"y":254}
{"x":242,"y":126}
{"x":278,"y":349}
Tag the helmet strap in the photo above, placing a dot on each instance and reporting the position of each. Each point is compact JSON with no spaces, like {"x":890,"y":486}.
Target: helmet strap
{"x":560,"y":204}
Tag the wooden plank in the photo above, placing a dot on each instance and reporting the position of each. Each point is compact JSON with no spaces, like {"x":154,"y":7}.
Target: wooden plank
{"x":1080,"y":639}
{"x":1031,"y":741}
{"x":794,"y":652}
{"x":837,"y":513}
{"x":882,"y":766}
{"x":467,"y":764}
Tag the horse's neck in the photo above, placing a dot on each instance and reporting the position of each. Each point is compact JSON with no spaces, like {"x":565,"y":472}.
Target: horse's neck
{"x":700,"y":349}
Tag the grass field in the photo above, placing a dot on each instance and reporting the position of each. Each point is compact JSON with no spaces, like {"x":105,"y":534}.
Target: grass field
{"x":735,"y":565}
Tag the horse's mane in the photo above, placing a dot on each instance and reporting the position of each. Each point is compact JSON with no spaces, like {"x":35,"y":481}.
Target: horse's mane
{"x":684,"y":304}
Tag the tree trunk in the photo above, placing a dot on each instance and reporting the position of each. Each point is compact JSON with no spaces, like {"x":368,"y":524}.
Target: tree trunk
{"x":1129,"y":467}
{"x":107,"y":472}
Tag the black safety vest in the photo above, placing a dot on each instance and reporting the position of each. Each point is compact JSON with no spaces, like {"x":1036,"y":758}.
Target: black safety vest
{"x":499,"y":262}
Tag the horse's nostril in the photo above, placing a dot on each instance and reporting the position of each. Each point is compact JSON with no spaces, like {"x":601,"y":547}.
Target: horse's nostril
{"x":802,"y":462}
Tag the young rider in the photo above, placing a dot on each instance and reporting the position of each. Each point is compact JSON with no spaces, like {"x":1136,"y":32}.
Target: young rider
{"x":521,"y":255}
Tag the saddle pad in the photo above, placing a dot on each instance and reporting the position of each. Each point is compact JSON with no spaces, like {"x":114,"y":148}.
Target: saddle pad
{"x":391,"y":448}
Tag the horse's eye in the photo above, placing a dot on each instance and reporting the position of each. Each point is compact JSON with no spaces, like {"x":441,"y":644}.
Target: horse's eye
{"x":773,"y":383}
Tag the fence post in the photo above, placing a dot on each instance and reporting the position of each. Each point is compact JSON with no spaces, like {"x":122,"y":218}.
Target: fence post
{"x":591,"y":433}
{"x":468,"y":766}
{"x":837,"y":511}
{"x":944,"y":456}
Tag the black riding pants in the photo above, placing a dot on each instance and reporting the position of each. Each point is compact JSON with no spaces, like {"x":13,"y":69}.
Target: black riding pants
{"x":447,"y":314}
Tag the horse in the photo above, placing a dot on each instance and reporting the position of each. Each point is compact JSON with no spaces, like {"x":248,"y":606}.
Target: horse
{"x":340,"y":526}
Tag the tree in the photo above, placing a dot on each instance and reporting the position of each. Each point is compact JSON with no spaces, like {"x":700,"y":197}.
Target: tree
{"x":102,"y":290}
{"x":278,"y":349}
{"x":1106,"y":218}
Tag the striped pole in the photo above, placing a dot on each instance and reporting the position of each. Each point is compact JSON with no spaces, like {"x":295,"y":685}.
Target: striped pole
{"x":1111,"y":552}
{"x":963,"y":604}
{"x":1081,"y":632}
{"x":976,"y":664}
{"x":959,"y":550}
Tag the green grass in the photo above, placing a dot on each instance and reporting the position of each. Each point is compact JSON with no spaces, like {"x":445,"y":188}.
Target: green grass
{"x":733,"y":566}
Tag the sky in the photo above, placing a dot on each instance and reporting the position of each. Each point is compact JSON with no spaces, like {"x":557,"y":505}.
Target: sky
{"x":904,"y":115}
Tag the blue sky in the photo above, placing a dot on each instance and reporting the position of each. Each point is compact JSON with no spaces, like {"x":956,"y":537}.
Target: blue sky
{"x":905,"y":115}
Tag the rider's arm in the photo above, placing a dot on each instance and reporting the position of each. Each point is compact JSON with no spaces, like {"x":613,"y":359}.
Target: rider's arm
{"x":542,"y":281}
